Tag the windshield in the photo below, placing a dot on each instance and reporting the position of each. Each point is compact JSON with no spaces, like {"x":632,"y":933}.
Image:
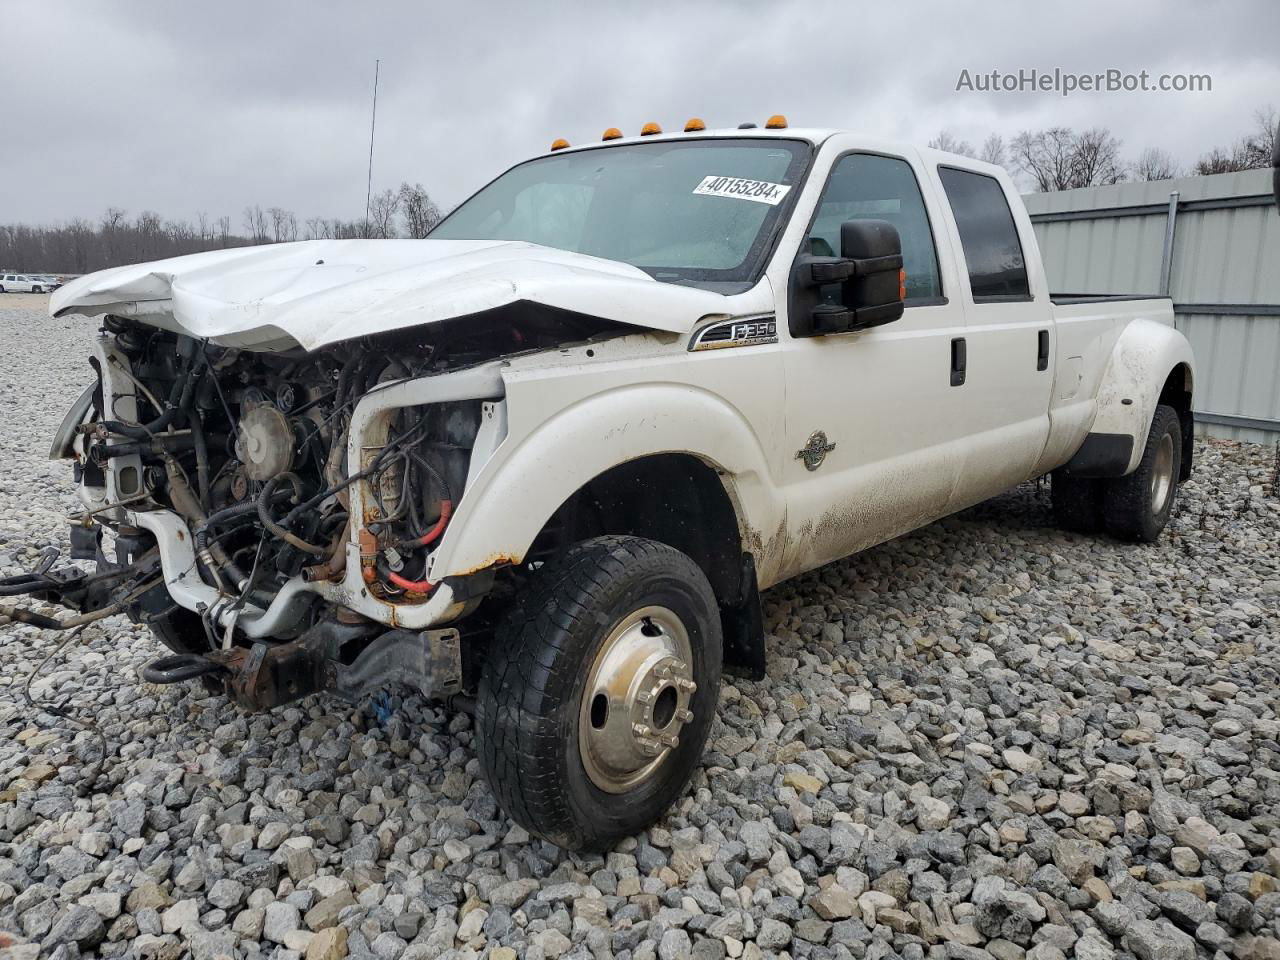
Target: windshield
{"x":692,"y":210}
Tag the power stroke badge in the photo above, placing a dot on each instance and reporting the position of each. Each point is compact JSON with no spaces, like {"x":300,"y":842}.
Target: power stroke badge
{"x":735,"y":333}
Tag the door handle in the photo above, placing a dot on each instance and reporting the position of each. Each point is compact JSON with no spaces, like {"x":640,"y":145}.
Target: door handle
{"x":959,"y":361}
{"x":1042,"y":350}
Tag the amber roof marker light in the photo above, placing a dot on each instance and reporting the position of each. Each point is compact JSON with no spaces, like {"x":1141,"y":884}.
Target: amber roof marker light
{"x":559,"y":143}
{"x":776,"y":122}
{"x":694,"y":125}
{"x":650,"y":129}
{"x":613,"y":133}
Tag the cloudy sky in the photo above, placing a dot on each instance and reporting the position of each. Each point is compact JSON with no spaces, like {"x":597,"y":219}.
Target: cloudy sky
{"x":186,"y":107}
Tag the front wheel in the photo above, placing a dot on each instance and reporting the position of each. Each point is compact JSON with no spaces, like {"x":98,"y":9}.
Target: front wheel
{"x":37,"y":289}
{"x":1138,"y":506}
{"x":599,"y":691}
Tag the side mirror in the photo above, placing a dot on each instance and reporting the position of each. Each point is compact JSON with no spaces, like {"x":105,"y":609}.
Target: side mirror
{"x":869,"y":271}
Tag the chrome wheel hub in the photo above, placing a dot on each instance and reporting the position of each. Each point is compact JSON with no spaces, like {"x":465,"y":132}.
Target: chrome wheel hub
{"x":1162,"y":475}
{"x":636,"y":700}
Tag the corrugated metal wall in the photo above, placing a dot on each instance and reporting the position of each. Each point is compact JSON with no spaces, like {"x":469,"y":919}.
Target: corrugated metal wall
{"x":1224,"y":278}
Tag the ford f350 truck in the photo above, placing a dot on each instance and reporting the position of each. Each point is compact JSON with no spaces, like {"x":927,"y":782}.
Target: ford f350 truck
{"x":544,"y":461}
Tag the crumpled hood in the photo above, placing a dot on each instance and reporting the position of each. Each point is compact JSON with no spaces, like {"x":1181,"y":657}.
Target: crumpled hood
{"x":319,"y":292}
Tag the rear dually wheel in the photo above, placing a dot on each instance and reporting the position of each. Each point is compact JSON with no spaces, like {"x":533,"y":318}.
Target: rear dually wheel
{"x":1138,"y":506}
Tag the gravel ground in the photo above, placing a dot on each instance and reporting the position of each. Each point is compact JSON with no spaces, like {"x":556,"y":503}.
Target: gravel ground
{"x":987,"y":739}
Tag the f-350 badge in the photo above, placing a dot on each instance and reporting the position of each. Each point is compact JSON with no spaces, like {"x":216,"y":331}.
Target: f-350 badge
{"x":815,"y":451}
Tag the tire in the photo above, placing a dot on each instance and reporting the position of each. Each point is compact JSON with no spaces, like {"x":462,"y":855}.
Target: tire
{"x":37,"y":289}
{"x":570,"y":766}
{"x":1077,"y":502}
{"x":1138,"y":506}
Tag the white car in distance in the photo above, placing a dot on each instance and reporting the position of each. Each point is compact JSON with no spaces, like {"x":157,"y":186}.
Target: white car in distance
{"x":22,"y":283}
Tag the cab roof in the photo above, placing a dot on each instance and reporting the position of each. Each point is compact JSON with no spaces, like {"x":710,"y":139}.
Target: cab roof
{"x":814,"y":135}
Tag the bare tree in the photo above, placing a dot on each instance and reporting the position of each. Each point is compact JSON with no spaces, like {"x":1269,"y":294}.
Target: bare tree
{"x":147,"y":232}
{"x":1155,"y":164}
{"x":420,"y":212}
{"x":1061,"y":159}
{"x":1263,"y":141}
{"x":80,"y":237}
{"x":112,"y":221}
{"x":947,"y":142}
{"x":1097,"y":159}
{"x":349,"y":229}
{"x":1251,"y":152}
{"x":255,"y":223}
{"x":382,"y":214}
{"x":1231,"y":159}
{"x":284,"y":225}
{"x":1046,"y":156}
{"x":993,"y":150}
{"x":82,"y":246}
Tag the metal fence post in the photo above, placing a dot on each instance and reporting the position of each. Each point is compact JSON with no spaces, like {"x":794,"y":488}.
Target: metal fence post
{"x":1166,"y":260}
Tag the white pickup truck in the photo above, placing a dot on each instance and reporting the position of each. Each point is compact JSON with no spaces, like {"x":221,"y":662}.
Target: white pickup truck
{"x":24,"y":283}
{"x":544,"y":461}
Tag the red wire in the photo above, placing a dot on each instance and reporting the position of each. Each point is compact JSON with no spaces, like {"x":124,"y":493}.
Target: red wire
{"x":425,"y":586}
{"x":446,"y":510}
{"x":417,"y":586}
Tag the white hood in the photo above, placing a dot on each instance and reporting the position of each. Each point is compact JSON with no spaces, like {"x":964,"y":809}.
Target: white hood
{"x":319,"y":292}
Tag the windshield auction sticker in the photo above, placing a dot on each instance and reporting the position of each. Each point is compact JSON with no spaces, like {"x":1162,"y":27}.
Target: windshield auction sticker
{"x":761,"y":191}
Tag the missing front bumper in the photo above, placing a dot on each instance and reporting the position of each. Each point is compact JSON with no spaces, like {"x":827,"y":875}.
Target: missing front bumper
{"x":267,"y":675}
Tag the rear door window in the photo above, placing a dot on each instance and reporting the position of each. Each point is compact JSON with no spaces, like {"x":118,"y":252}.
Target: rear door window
{"x":992,"y":249}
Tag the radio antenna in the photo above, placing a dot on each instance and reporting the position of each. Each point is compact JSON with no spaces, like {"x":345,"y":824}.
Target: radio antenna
{"x":373,"y":124}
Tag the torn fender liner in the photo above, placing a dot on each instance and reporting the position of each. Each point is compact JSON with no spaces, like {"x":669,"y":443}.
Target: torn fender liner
{"x":318,"y":292}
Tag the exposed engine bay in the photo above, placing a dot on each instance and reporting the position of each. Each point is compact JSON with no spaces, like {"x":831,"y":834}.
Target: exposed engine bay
{"x":273,"y":515}
{"x":250,"y":449}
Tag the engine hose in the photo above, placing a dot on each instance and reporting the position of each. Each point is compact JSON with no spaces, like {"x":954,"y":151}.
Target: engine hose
{"x":344,"y":380}
{"x":29,"y":585}
{"x":219,"y":517}
{"x":214,"y":558}
{"x":165,"y":443}
{"x":179,"y":398}
{"x":134,"y":431}
{"x":202,"y":457}
{"x":264,"y":514}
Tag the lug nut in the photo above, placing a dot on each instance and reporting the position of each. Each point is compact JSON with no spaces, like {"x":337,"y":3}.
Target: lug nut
{"x":684,"y":716}
{"x":670,"y":740}
{"x":640,"y":729}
